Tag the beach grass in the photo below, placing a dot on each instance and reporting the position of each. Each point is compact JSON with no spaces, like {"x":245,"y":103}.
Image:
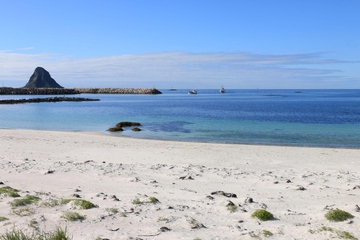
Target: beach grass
{"x":340,"y":234}
{"x":58,"y":234}
{"x":27,"y":200}
{"x":153,"y":200}
{"x":23,"y":212}
{"x":9,"y":192}
{"x":262,"y":215}
{"x":84,"y":204}
{"x":137,"y":201}
{"x":73,"y":216}
{"x":338,"y":215}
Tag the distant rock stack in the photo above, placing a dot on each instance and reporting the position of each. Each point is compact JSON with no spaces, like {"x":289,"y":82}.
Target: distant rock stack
{"x":41,"y":79}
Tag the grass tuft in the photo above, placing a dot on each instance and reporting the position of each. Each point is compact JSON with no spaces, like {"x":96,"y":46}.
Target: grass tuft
{"x":113,"y":210}
{"x":231,"y":208}
{"x":9,"y":192}
{"x":262,"y":215}
{"x":153,"y":200}
{"x":3,"y":219}
{"x":22,"y":212}
{"x":27,"y":200}
{"x":137,"y":201}
{"x":58,"y":234}
{"x":73,"y":216}
{"x":338,"y":215}
{"x":84,"y":204}
{"x":340,"y":234}
{"x":267,"y":233}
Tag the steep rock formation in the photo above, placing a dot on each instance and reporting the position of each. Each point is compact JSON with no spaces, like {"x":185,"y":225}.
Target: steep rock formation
{"x":41,"y":79}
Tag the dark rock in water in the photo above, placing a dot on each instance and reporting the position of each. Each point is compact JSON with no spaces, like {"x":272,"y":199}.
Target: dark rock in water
{"x":120,"y":125}
{"x":136,"y":129}
{"x":41,"y":79}
{"x":115,"y":129}
{"x":127,"y":124}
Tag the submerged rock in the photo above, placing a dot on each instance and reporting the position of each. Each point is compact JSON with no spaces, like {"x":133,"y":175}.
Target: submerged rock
{"x":115,"y":129}
{"x":127,"y":124}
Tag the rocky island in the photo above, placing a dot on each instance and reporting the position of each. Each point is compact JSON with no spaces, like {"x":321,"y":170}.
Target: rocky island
{"x":41,"y":83}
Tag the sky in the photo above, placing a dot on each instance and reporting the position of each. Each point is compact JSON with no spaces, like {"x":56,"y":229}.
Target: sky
{"x":184,"y":44}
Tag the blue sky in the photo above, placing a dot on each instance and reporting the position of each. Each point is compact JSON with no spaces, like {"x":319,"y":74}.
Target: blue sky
{"x":182,"y":43}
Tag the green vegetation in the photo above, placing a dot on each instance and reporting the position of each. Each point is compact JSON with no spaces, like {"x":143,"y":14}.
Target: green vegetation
{"x":65,"y":201}
{"x":28,"y":199}
{"x":58,"y":234}
{"x":267,"y":233}
{"x":340,"y":234}
{"x":231,"y":208}
{"x":153,"y":200}
{"x":73,"y":216}
{"x":113,"y":210}
{"x":137,"y":201}
{"x":9,"y":192}
{"x":162,"y":219}
{"x":83,"y":204}
{"x":262,"y":215}
{"x":33,"y":223}
{"x":3,"y":219}
{"x":50,"y":203}
{"x":338,"y":215}
{"x":22,"y":212}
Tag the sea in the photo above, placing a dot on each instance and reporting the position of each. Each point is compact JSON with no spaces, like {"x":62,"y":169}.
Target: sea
{"x":311,"y":118}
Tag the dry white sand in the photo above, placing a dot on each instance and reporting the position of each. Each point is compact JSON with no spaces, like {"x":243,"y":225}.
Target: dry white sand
{"x":297,"y":185}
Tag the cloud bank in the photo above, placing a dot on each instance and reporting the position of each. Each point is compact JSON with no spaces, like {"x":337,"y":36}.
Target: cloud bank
{"x":180,"y":70}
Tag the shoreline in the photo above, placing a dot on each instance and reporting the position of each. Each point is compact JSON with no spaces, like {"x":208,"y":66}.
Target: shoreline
{"x":106,"y":133}
{"x":55,"y":165}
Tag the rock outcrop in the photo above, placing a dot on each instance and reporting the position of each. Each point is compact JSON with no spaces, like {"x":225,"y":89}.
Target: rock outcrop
{"x":119,"y":126}
{"x":41,"y":79}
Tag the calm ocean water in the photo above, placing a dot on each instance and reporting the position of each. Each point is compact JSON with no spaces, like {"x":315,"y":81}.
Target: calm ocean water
{"x":326,"y":118}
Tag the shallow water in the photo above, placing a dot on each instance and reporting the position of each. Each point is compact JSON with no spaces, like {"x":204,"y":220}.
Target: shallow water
{"x":327,"y":118}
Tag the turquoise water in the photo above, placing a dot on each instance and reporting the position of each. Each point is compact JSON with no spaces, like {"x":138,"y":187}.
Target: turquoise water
{"x":327,"y":118}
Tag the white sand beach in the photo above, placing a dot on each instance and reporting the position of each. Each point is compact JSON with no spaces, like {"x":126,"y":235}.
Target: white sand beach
{"x":298,"y":185}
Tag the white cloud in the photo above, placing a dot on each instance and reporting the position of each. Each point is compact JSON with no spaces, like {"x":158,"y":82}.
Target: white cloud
{"x":179,"y":70}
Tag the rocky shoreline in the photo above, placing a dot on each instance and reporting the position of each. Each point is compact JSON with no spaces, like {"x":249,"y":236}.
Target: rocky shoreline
{"x":66,"y":91}
{"x":51,"y":99}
